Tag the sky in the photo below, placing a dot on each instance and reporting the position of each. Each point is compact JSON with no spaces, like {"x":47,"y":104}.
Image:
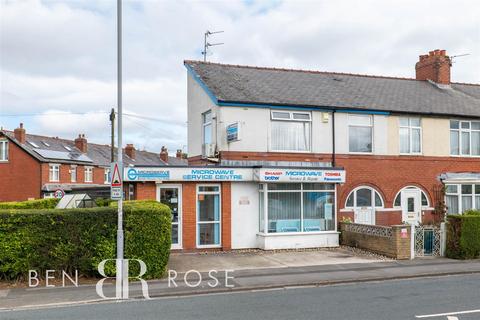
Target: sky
{"x":58,"y":58}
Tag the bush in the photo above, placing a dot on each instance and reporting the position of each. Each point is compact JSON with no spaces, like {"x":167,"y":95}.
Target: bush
{"x":78,"y":239}
{"x":463,"y":236}
{"x":103,"y":202}
{"x":49,"y":203}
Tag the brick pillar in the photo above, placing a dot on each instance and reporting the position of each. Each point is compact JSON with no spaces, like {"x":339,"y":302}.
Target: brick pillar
{"x":189,"y":216}
{"x":401,"y":241}
{"x":226,"y":216}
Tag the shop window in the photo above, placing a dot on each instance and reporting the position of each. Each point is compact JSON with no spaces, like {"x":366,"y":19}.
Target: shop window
{"x":398,"y":197}
{"x":465,"y":138}
{"x":364,"y":197}
{"x":290,"y":131}
{"x":3,"y":150}
{"x":360,"y":133}
{"x":462,"y":197}
{"x":410,"y":135}
{"x":295,"y":207}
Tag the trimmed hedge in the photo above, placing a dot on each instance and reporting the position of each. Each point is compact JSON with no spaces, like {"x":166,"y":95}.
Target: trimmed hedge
{"x":78,"y":239}
{"x":50,"y":203}
{"x":463,"y":235}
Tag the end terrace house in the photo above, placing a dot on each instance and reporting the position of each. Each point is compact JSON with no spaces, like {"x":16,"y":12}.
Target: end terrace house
{"x":277,"y":156}
{"x":36,"y":166}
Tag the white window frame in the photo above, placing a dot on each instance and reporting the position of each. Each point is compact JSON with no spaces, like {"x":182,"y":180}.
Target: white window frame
{"x":290,"y":119}
{"x":179,"y":223}
{"x":263,"y":192}
{"x":460,"y":195}
{"x":354,"y":191}
{"x":52,"y":168}
{"x":410,"y":128}
{"x":73,"y":173}
{"x":4,"y":155}
{"x":363,"y":126}
{"x":412,"y":188}
{"x":85,"y":174}
{"x":204,"y":125}
{"x":198,"y":222}
{"x":460,"y":130}
{"x":106,"y":176}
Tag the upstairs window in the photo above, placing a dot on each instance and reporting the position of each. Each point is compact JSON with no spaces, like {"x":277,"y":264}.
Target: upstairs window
{"x":206,"y":132}
{"x":88,"y":174}
{"x":360,"y":133}
{"x":464,"y":138}
{"x":3,"y":150}
{"x":291,"y":131}
{"x":106,"y":176}
{"x":410,"y":136}
{"x":73,"y":174}
{"x":54,"y":173}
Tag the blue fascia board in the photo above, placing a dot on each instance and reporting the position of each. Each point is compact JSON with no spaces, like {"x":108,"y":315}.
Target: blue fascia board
{"x":202,"y":84}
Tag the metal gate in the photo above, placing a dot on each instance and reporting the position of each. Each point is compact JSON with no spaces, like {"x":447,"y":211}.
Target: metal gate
{"x":429,"y":241}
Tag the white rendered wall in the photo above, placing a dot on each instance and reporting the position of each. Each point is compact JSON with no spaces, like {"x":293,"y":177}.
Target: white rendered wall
{"x":244,"y":215}
{"x":198,"y":102}
{"x":297,"y":241}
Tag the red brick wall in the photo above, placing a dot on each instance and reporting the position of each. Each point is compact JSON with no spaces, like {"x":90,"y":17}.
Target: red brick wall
{"x":98,"y":174}
{"x":20,"y":176}
{"x":189,"y":211}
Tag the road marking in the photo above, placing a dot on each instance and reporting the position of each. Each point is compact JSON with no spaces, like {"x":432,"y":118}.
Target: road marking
{"x":448,"y":314}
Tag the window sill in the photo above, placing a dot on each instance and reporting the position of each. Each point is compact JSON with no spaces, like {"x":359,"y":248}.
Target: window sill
{"x":3,"y":161}
{"x":361,"y":153}
{"x":209,"y":246}
{"x":286,"y":234}
{"x":291,"y":151}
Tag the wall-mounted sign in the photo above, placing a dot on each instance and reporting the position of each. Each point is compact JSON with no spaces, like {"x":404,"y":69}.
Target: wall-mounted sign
{"x":187,"y":174}
{"x":299,"y":175}
{"x":233,"y":132}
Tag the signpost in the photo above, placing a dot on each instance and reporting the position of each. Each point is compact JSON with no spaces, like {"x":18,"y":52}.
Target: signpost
{"x":116,"y":192}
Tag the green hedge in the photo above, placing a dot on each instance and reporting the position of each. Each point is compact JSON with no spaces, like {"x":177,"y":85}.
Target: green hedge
{"x":463,"y":235}
{"x":78,"y":239}
{"x":31,"y":204}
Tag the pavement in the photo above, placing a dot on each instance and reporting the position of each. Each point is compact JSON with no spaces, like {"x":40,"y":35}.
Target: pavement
{"x":272,"y":273}
{"x":441,"y":298}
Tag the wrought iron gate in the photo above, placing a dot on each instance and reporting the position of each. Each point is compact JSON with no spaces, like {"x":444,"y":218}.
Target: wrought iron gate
{"x":428,"y":241}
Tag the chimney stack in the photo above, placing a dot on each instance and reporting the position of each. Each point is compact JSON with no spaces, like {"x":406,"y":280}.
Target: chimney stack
{"x":81,"y":143}
{"x":20,"y":134}
{"x":130,"y":151}
{"x":164,"y":154}
{"x":434,"y":66}
{"x":179,"y":154}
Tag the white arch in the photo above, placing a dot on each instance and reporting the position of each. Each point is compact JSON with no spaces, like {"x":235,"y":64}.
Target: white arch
{"x":352,"y":196}
{"x":424,"y":197}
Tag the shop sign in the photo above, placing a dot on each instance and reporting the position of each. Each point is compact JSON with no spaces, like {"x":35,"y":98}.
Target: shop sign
{"x":188,"y":174}
{"x":299,"y":175}
{"x":233,"y":132}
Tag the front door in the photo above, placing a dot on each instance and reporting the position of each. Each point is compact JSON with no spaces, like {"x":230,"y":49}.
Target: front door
{"x":411,"y":206}
{"x":171,"y":195}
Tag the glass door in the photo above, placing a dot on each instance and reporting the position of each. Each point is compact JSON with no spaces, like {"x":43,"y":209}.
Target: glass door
{"x":172,"y":197}
{"x":208,"y":216}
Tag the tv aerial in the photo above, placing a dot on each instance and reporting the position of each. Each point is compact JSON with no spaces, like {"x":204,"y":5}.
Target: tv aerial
{"x":207,"y":44}
{"x":456,"y":56}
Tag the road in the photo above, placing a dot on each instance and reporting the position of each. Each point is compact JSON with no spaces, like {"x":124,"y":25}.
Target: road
{"x":391,"y":300}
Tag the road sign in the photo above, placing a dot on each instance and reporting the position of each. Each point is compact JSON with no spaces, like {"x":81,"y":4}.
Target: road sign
{"x":116,"y":192}
{"x":58,"y":194}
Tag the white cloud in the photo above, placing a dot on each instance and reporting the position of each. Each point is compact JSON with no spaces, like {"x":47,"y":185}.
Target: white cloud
{"x":61,"y":55}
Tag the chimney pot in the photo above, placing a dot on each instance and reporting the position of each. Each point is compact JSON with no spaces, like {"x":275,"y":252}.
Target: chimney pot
{"x":164,"y":154}
{"x":435,"y":67}
{"x":20,"y":134}
{"x":179,"y":153}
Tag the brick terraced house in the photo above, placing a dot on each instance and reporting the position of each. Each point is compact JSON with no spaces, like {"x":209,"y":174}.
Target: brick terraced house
{"x":34,"y":166}
{"x":277,"y":156}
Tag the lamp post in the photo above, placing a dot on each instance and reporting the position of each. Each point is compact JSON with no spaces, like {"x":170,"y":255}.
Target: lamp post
{"x":120,"y":238}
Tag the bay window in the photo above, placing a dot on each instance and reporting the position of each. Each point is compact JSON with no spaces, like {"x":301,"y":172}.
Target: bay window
{"x":3,"y":150}
{"x":360,"y":133}
{"x":462,"y":197}
{"x":465,"y":138}
{"x":290,"y":131}
{"x":297,"y":207}
{"x":410,"y":135}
